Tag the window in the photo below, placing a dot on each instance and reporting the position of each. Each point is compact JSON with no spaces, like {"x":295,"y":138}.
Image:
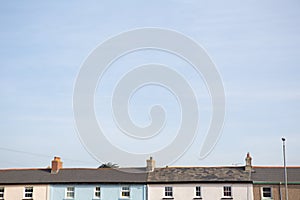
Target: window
{"x":70,"y":192}
{"x":125,"y":191}
{"x":168,"y":191}
{"x":1,"y":192}
{"x":28,"y":193}
{"x":97,"y":192}
{"x":198,"y":191}
{"x":227,"y":191}
{"x":266,"y":192}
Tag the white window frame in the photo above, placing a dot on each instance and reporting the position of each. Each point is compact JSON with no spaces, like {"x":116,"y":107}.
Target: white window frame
{"x":67,"y":192}
{"x":168,"y":191}
{"x":2,"y":190}
{"x":197,"y":191}
{"x":262,"y":192}
{"x":227,"y":191}
{"x":97,"y":191}
{"x":30,"y":193}
{"x":125,"y":189}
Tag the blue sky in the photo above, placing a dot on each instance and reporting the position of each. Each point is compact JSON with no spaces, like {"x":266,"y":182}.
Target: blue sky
{"x":255,"y":46}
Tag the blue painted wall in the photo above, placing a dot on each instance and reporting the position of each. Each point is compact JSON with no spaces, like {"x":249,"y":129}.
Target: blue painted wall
{"x":108,"y":192}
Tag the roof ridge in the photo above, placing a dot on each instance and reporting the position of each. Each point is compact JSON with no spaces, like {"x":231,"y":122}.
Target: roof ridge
{"x":15,"y":169}
{"x":275,"y":166}
{"x":199,"y":167}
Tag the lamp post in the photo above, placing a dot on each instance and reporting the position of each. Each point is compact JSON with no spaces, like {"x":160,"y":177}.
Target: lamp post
{"x":285,"y":172}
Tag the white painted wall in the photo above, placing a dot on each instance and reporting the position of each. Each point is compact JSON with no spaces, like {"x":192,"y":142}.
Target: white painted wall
{"x":16,"y":192}
{"x":209,"y":191}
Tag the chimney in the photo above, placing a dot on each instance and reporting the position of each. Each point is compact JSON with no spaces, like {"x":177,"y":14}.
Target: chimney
{"x":248,"y":166}
{"x":150,"y":165}
{"x":56,"y":165}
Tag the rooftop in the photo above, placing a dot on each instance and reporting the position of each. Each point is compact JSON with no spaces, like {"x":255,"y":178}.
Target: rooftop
{"x":73,"y":175}
{"x":275,"y":174}
{"x":199,"y":174}
{"x":149,"y":174}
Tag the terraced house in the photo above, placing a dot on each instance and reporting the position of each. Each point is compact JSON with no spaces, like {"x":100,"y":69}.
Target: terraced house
{"x":199,"y":183}
{"x":148,"y":183}
{"x":268,"y":183}
{"x":60,"y":183}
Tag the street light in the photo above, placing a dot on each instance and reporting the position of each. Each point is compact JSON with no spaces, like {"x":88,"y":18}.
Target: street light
{"x":285,"y":172}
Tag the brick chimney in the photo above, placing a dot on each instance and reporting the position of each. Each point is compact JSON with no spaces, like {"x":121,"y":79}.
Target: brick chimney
{"x":248,"y":166}
{"x":56,"y":165}
{"x":150,"y":165}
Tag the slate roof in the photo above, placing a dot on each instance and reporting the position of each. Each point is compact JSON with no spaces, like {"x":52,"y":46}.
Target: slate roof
{"x":275,"y":174}
{"x":124,"y":175}
{"x":140,"y":176}
{"x":103,"y":175}
{"x":198,"y":174}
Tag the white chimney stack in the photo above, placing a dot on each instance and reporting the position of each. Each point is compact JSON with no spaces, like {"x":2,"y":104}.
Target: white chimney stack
{"x":150,"y":165}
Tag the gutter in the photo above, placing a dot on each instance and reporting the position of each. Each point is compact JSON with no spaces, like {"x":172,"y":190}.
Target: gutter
{"x":186,"y":182}
{"x":273,"y":183}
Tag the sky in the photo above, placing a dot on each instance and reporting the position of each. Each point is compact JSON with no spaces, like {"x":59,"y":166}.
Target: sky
{"x":255,"y":46}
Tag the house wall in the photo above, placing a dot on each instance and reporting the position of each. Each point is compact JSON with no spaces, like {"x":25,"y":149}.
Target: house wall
{"x":209,"y":191}
{"x":108,"y":192}
{"x":16,"y":192}
{"x":293,"y":191}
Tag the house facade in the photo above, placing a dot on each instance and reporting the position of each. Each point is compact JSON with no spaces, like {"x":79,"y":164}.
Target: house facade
{"x":97,"y":191}
{"x":83,"y":191}
{"x":269,"y":184}
{"x":58,"y":183}
{"x":226,"y":190}
{"x":199,"y":183}
{"x":24,"y":191}
{"x":185,"y":183}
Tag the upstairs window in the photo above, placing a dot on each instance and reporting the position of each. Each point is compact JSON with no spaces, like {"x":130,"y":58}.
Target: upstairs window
{"x":198,"y":191}
{"x":28,"y":192}
{"x":125,"y":191}
{"x":266,"y":192}
{"x":70,"y":192}
{"x":227,"y":191}
{"x":97,"y":192}
{"x":168,"y":191}
{"x":1,"y":192}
